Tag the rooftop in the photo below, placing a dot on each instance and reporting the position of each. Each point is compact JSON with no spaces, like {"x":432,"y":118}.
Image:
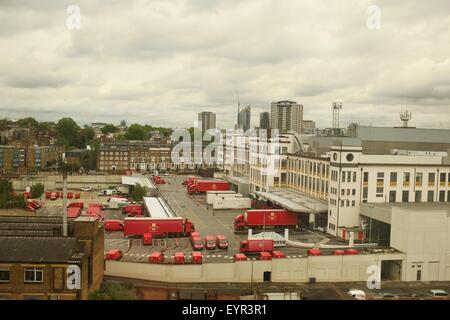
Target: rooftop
{"x":37,"y":249}
{"x":295,"y":201}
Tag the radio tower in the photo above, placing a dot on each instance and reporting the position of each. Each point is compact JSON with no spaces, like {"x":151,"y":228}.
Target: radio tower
{"x":405,"y":116}
{"x":336,"y":106}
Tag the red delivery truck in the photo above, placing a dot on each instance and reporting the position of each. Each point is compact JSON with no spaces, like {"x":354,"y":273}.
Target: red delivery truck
{"x":338,"y":252}
{"x":278,"y":254}
{"x":54,"y":196}
{"x":210,"y":242}
{"x":222,"y":242}
{"x":189,"y":180}
{"x":259,"y":218}
{"x":77,"y":195}
{"x":179,"y":257}
{"x":197,"y":257}
{"x":147,"y":239}
{"x":135,"y":208}
{"x":69,"y":195}
{"x":314,"y":252}
{"x":76,"y":205}
{"x":264,"y":256}
{"x":114,"y":254}
{"x":73,"y":212}
{"x":256,"y":245}
{"x":196,"y":241}
{"x":48,"y":194}
{"x":156,"y":257}
{"x":240,"y":257}
{"x":351,"y":251}
{"x":158,"y":227}
{"x":113,"y":225}
{"x":202,"y":186}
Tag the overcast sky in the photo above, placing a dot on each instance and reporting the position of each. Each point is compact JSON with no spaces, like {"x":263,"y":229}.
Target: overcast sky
{"x":160,"y":61}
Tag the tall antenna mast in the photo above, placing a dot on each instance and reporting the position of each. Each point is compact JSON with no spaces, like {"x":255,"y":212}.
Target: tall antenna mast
{"x":405,"y":116}
{"x":337,"y":106}
{"x":239,"y":107}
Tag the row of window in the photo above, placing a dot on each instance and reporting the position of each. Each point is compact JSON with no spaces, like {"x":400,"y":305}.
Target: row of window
{"x":30,"y":275}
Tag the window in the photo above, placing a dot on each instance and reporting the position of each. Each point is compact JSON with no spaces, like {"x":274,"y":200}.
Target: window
{"x":405,"y":196}
{"x":430,"y":197}
{"x":343,"y":176}
{"x":366,"y":177}
{"x":33,"y":275}
{"x":353,"y":203}
{"x":441,"y":196}
{"x":406,"y":177}
{"x":354,"y":176}
{"x":448,"y":196}
{"x":392,"y":196}
{"x":419,"y":178}
{"x":365,"y":192}
{"x":431,"y":178}
{"x":393,"y":179}
{"x":4,"y":275}
{"x":353,"y":192}
{"x":342,"y":192}
{"x":442,"y":179}
{"x":418,"y":197}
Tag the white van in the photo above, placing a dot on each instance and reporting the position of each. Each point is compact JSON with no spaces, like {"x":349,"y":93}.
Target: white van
{"x":107,"y":192}
{"x":357,"y":294}
{"x":118,"y":200}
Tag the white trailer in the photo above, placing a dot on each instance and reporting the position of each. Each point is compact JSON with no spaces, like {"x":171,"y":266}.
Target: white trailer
{"x":211,"y":195}
{"x":232,"y":203}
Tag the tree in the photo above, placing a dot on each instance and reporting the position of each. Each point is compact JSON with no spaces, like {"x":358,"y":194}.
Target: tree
{"x":114,"y":291}
{"x":136,"y":132}
{"x":8,"y":199}
{"x":67,"y":131}
{"x":37,"y":190}
{"x":87,"y":135}
{"x":109,"y":128}
{"x":27,"y":122}
{"x":138,"y":193}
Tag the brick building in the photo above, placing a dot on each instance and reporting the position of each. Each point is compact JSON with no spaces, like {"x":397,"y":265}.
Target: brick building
{"x":34,"y":257}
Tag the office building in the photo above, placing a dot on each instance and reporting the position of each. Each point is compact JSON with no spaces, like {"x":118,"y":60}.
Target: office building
{"x":287,"y":116}
{"x":244,"y":118}
{"x":264,"y":120}
{"x":206,"y":120}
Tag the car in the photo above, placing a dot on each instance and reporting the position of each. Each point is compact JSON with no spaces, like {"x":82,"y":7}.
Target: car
{"x":210,"y":242}
{"x":386,"y":295}
{"x":86,"y":188}
{"x":113,"y":225}
{"x":437,"y":293}
{"x":114,"y":254}
{"x":221,"y":242}
{"x":357,"y":294}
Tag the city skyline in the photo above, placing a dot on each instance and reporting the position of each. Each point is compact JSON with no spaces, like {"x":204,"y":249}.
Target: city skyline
{"x":166,"y":62}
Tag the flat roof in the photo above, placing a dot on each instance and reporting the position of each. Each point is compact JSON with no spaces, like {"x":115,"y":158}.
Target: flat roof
{"x":134,"y":180}
{"x":383,"y":211}
{"x":295,"y":201}
{"x":240,"y":180}
{"x":158,"y":208}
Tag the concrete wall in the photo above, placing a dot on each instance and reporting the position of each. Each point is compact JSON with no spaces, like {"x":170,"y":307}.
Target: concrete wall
{"x":54,"y":182}
{"x":426,"y":240}
{"x":323,"y":268}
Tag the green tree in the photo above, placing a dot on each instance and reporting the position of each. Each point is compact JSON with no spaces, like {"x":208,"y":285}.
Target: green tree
{"x":37,"y":190}
{"x":109,"y":128}
{"x":136,"y":132}
{"x":138,"y":193}
{"x":114,"y":291}
{"x":8,"y":198}
{"x":27,"y":122}
{"x":68,"y":132}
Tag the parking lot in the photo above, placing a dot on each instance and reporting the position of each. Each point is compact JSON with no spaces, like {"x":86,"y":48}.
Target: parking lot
{"x":206,"y":220}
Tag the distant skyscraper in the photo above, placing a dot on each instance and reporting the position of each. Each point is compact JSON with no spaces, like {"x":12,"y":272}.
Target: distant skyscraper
{"x":309,"y":127}
{"x":244,"y":118}
{"x":264,"y":120}
{"x":287,"y":116}
{"x":206,"y":120}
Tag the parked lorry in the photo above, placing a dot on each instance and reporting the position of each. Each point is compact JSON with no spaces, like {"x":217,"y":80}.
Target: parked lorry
{"x":259,"y":218}
{"x":210,"y":242}
{"x":187,"y":181}
{"x":113,"y":225}
{"x":222,"y":242}
{"x":196,"y":257}
{"x":132,"y":208}
{"x":76,"y":205}
{"x":156,"y":257}
{"x":114,"y":254}
{"x":256,"y":245}
{"x":229,"y":203}
{"x":158,"y":227}
{"x":202,"y":186}
{"x":73,"y":212}
{"x":196,"y":241}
